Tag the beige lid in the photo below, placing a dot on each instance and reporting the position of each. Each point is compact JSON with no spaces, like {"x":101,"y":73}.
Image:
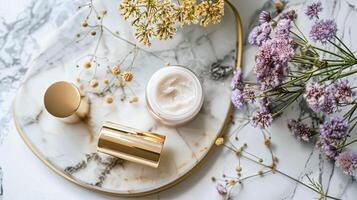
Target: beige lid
{"x":62,"y":99}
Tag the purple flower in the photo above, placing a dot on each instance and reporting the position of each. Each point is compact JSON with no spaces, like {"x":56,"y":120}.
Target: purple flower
{"x":291,"y":15}
{"x":323,"y":30}
{"x":236,"y":80}
{"x":264,"y":17}
{"x":313,"y":10}
{"x":249,"y":94}
{"x":283,"y":28}
{"x":221,"y":189}
{"x":320,"y":98}
{"x":272,"y":62}
{"x":237,"y":99}
{"x":334,"y":129}
{"x":328,"y":147}
{"x":300,"y":130}
{"x":262,"y":119}
{"x":347,"y":161}
{"x":260,"y":34}
{"x":343,"y":91}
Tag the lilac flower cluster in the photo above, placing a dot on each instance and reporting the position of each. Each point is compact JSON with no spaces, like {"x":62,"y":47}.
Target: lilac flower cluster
{"x":261,"y":119}
{"x":222,"y":190}
{"x":334,"y":129}
{"x":290,"y":15}
{"x":260,"y":34}
{"x":237,"y":94}
{"x":347,"y":161}
{"x":323,"y":31}
{"x":332,"y":135}
{"x":343,"y":91}
{"x":326,"y":98}
{"x":313,"y":10}
{"x":300,"y":130}
{"x":274,"y":53}
{"x":237,"y":98}
{"x":320,"y":98}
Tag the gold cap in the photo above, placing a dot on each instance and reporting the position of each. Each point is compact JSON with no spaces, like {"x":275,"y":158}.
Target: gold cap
{"x":64,"y":100}
{"x":131,"y":144}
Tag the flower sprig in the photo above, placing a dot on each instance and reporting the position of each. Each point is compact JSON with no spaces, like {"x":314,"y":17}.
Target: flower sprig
{"x":290,"y":68}
{"x":117,"y":75}
{"x":158,"y":18}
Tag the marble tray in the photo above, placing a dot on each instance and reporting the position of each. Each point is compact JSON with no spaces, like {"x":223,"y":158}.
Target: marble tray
{"x":70,"y":149}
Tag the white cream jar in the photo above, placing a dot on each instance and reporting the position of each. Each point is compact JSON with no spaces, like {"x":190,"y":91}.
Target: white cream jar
{"x":174,"y":95}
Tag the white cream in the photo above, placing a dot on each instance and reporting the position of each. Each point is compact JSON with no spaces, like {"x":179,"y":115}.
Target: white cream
{"x":174,"y":95}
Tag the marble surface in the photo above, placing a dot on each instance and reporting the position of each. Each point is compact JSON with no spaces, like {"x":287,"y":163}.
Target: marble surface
{"x":26,"y":25}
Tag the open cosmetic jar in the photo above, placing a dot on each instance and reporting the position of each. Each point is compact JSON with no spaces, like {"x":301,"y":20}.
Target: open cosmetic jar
{"x":174,"y":95}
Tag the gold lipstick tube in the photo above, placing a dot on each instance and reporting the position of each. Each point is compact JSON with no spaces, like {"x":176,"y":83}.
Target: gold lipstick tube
{"x":131,"y":144}
{"x":64,"y":100}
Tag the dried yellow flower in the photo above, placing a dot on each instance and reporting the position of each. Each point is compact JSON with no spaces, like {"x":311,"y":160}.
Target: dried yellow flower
{"x":211,"y":12}
{"x":219,"y":141}
{"x":115,"y":70}
{"x":94,"y":83}
{"x":109,"y":99}
{"x":128,"y":76}
{"x":87,"y":64}
{"x":134,"y":99}
{"x":93,"y":33}
{"x":161,"y":22}
{"x":188,"y":12}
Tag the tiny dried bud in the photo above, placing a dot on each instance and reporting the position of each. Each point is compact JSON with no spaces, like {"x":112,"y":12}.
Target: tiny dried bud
{"x":120,"y":83}
{"x":278,"y":5}
{"x":267,"y":142}
{"x":84,"y":23}
{"x":93,"y":33}
{"x":273,"y":166}
{"x":106,"y":81}
{"x":104,"y":12}
{"x":239,"y":174}
{"x":219,"y":141}
{"x":78,"y":80}
{"x":275,"y":159}
{"x":232,"y":182}
{"x":127,"y":76}
{"x":238,"y":168}
{"x":260,"y":160}
{"x":260,"y":173}
{"x":115,"y":70}
{"x":213,"y":178}
{"x":78,"y":35}
{"x":109,"y":99}
{"x":238,"y":152}
{"x":87,"y":64}
{"x":93,"y":83}
{"x":134,"y":99}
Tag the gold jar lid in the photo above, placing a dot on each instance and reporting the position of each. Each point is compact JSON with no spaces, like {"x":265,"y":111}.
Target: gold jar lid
{"x":62,"y":99}
{"x":131,"y":144}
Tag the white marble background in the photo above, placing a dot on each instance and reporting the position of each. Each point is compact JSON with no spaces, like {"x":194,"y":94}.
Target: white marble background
{"x":25,"y":23}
